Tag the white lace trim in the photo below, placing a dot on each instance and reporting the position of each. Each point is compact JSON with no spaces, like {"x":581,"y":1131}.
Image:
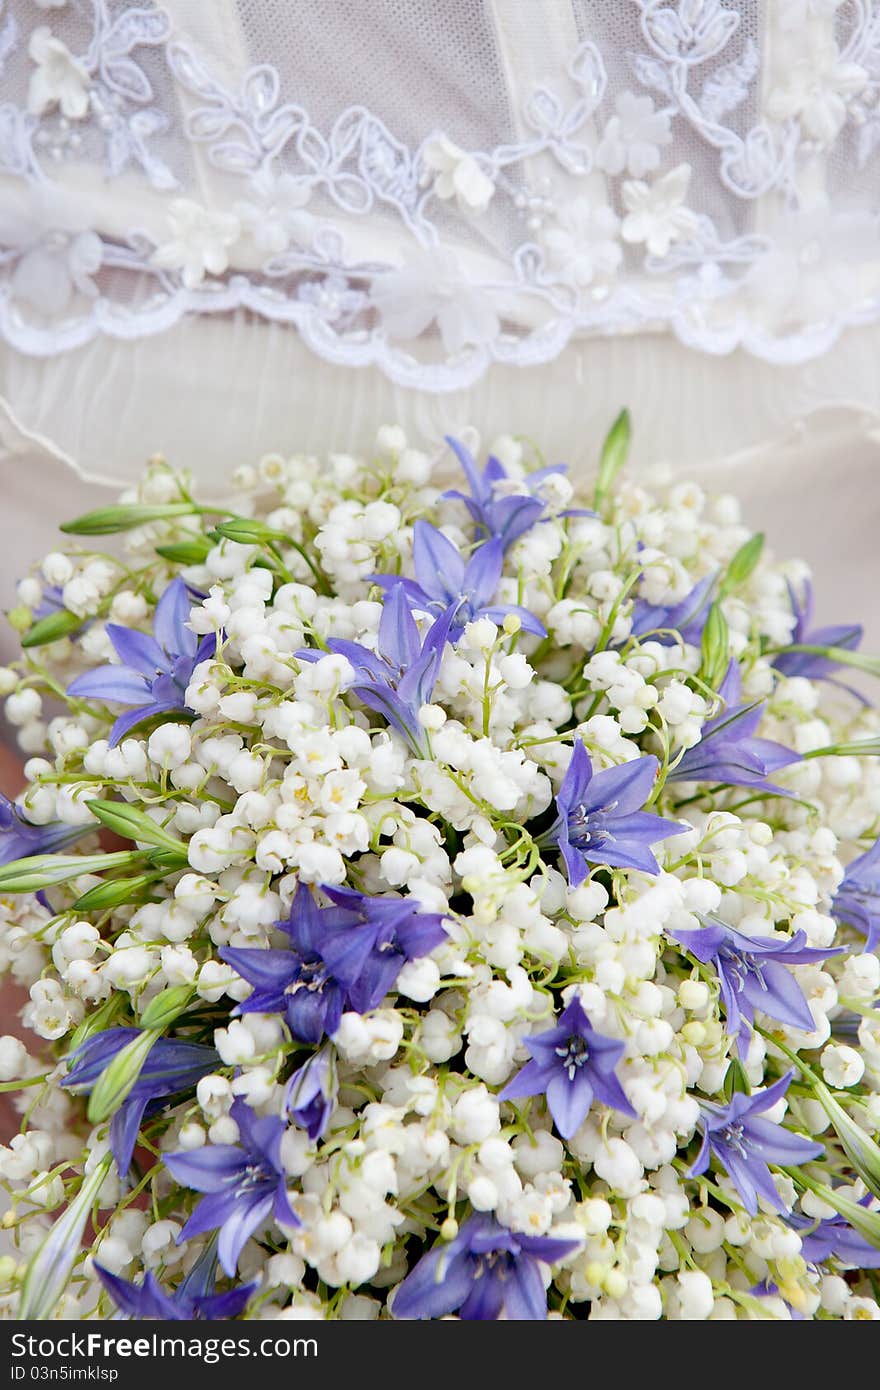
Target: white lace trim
{"x":707,"y":195}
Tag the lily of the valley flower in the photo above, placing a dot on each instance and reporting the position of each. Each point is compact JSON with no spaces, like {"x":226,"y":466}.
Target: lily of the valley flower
{"x":745,"y":1143}
{"x":445,"y":580}
{"x":572,"y":1065}
{"x":768,"y":1289}
{"x":485,"y":1271}
{"x":728,"y":751}
{"x":245,"y":1184}
{"x":51,"y":602}
{"x":154,"y":671}
{"x":601,"y":820}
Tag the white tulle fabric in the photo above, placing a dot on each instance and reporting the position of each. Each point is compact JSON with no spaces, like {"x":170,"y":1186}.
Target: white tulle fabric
{"x":430,"y":187}
{"x":234,"y":226}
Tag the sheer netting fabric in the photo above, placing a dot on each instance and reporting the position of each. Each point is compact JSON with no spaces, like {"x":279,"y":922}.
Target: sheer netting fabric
{"x":431,"y":187}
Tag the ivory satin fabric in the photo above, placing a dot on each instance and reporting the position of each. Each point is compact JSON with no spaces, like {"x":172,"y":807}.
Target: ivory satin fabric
{"x":800,"y":446}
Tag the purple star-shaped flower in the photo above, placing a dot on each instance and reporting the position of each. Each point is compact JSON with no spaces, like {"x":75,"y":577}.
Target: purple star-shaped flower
{"x":398,"y":678}
{"x":194,"y":1298}
{"x":834,"y":1237}
{"x":728,"y":751}
{"x":244,"y":1184}
{"x":753,"y":974}
{"x":296,"y":982}
{"x":347,"y":955}
{"x":600,"y":817}
{"x":154,"y":671}
{"x":375,"y":937}
{"x":498,"y":512}
{"x":444,"y":580}
{"x":857,"y":900}
{"x":20,"y":838}
{"x":687,"y":617}
{"x":809,"y":664}
{"x":485,"y":1271}
{"x":745,"y":1144}
{"x":310,"y":1094}
{"x":171,"y":1067}
{"x":572,"y":1065}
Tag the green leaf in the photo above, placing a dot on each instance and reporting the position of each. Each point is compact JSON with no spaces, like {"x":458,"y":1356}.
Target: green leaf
{"x":50,"y":1268}
{"x":164,"y":1008}
{"x":735,"y":1079}
{"x":613,"y":457}
{"x":133,"y":824}
{"x":841,"y":656}
{"x":119,"y":1076}
{"x":116,"y":892}
{"x":715,"y":647}
{"x":107,"y":521}
{"x":168,"y":859}
{"x":51,"y":628}
{"x":245,"y":531}
{"x":96,"y":1022}
{"x":860,"y":748}
{"x":38,"y":871}
{"x":742,"y":564}
{"x":192,"y":552}
{"x":861,"y":1150}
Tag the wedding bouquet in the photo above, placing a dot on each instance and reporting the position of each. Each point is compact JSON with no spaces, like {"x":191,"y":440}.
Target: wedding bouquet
{"x":438,"y":902}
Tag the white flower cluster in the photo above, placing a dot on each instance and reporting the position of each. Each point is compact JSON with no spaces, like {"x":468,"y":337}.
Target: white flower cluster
{"x":299,"y":760}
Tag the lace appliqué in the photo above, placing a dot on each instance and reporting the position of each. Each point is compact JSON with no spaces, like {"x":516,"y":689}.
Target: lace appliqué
{"x":432,"y":261}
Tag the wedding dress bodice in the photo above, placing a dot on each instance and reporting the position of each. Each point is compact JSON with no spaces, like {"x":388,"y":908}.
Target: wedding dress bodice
{"x":246,"y":225}
{"x":435,"y":187}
